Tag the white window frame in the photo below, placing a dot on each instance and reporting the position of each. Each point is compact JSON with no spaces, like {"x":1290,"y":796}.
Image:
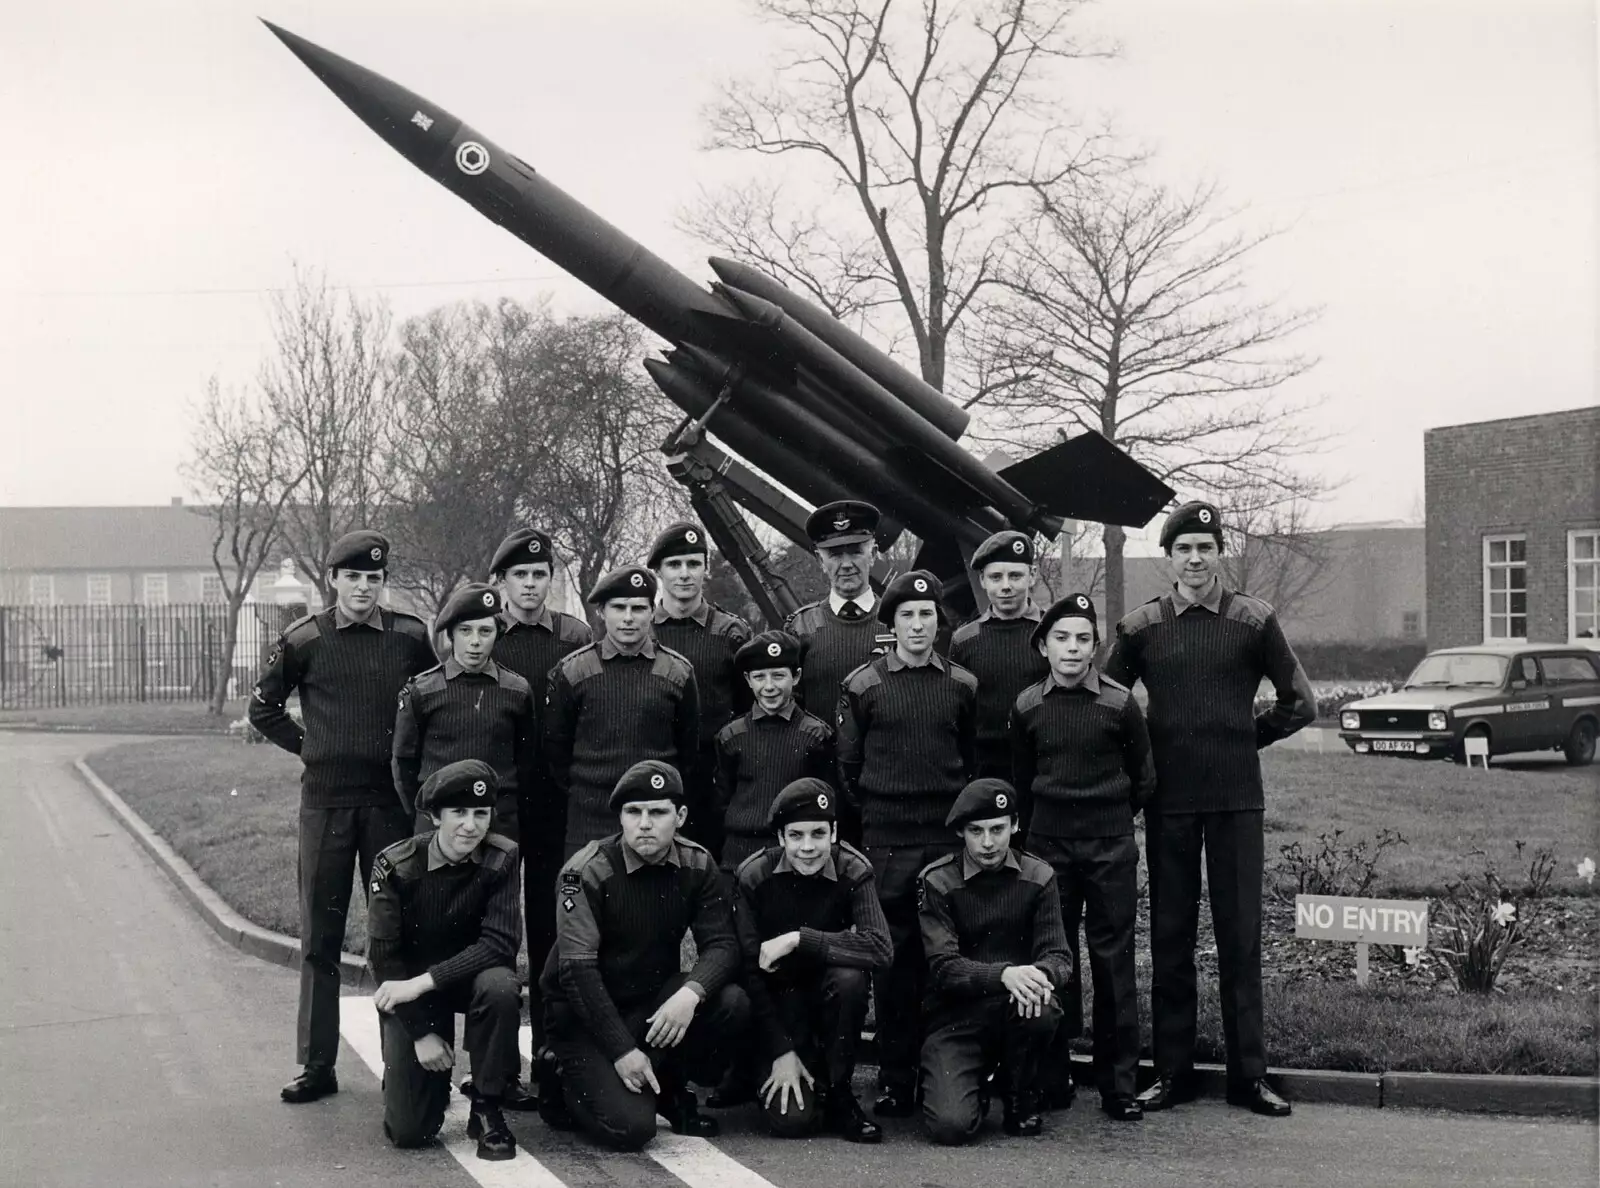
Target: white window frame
{"x":89,"y":589}
{"x":209,"y":582}
{"x":1415,"y":615}
{"x":1507,"y":539}
{"x":41,"y":589}
{"x":149,"y":584}
{"x":1592,"y":564}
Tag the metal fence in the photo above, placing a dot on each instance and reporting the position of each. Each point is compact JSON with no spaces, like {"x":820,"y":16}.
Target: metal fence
{"x":83,"y":655}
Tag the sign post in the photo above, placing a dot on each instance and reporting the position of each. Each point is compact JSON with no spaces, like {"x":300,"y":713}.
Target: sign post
{"x":1364,"y":921}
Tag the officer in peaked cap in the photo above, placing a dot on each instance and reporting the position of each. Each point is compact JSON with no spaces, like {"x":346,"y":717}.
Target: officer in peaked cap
{"x":443,"y":929}
{"x":1202,"y":651}
{"x":614,"y":702}
{"x":995,"y":646}
{"x":689,"y":624}
{"x":906,"y":723}
{"x":838,"y":630}
{"x":348,"y":663}
{"x":812,"y":932}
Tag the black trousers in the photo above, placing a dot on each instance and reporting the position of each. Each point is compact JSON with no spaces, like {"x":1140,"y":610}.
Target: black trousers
{"x":966,"y":1041}
{"x":414,"y":1099}
{"x":898,"y":991}
{"x":1098,"y":880}
{"x":332,"y":843}
{"x":608,"y":1110}
{"x":704,"y":823}
{"x":542,"y":820}
{"x":1232,"y":844}
{"x":823,"y":1013}
{"x":736,"y":847}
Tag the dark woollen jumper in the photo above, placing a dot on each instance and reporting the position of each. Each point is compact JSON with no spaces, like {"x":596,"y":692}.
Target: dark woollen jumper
{"x":999,"y":652}
{"x":835,"y":648}
{"x":757,"y":757}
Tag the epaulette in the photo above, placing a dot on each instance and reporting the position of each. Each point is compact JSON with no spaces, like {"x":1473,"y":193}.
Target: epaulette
{"x":965,"y":675}
{"x":754,"y":870}
{"x":944,"y":873}
{"x":581,"y":664}
{"x":967,"y":630}
{"x":863,"y":677}
{"x":571,"y":629}
{"x":852,"y":863}
{"x":430,"y":680}
{"x":515,"y":681}
{"x":1032,"y":697}
{"x":1141,"y":616}
{"x":505,"y":852}
{"x":696,"y":856}
{"x":815,"y":725}
{"x":671,"y":666}
{"x":805,"y":620}
{"x":302,"y":631}
{"x":1248,"y":609}
{"x":390,"y":858}
{"x":408,"y":625}
{"x":734,"y":729}
{"x":581,"y":859}
{"x":1035,"y":870}
{"x":725,"y":623}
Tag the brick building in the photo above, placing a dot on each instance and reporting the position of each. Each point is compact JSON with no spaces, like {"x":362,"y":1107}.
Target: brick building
{"x":1513,"y":535}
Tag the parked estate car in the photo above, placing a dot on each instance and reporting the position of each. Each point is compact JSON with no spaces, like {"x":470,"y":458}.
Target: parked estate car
{"x":1519,"y":697}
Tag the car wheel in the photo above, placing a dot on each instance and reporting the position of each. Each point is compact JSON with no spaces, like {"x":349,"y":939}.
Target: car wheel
{"x":1459,"y":752}
{"x":1579,"y":746}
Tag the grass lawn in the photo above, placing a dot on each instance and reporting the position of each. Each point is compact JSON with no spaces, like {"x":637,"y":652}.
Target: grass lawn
{"x":130,"y":717}
{"x":230,"y":810}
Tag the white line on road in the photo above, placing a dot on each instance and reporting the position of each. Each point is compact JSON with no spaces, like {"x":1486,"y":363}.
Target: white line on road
{"x":700,"y":1163}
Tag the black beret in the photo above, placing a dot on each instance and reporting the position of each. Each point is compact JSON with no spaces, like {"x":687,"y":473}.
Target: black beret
{"x":1074,"y":605}
{"x":678,"y":540}
{"x":475,"y":600}
{"x":770,"y":649}
{"x":1194,"y":516}
{"x":983,"y":800}
{"x":806,"y":799}
{"x":466,"y":782}
{"x":909,"y":587}
{"x":362,"y":549}
{"x":847,"y":521}
{"x":631,"y":581}
{"x":525,"y":546}
{"x":649,"y":779}
{"x":1014,"y":547}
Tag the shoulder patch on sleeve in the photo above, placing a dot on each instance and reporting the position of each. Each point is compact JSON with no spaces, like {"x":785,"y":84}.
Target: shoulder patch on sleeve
{"x":966,"y":632}
{"x":580,"y":665}
{"x":1032,"y":697}
{"x":571,"y":629}
{"x":863,"y":678}
{"x":588,"y":864}
{"x":390,"y":858}
{"x":302,"y":631}
{"x":429,"y":680}
{"x":942,"y":874}
{"x":671,"y":666}
{"x":1035,"y":870}
{"x":1243,"y":608}
{"x":853,"y":865}
{"x":1112,"y":695}
{"x":963,"y":675}
{"x":1140,"y":617}
{"x":410,"y":625}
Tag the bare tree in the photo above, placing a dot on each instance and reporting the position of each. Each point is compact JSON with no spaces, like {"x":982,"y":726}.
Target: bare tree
{"x":1125,"y":311}
{"x":925,"y":121}
{"x":1272,"y":550}
{"x":325,"y":392}
{"x":238,"y":466}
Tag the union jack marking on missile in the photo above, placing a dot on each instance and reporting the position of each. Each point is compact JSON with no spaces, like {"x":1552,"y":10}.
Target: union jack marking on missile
{"x":422,"y":121}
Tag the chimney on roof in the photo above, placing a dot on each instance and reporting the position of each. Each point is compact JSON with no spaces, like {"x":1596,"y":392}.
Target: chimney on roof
{"x":177,"y":501}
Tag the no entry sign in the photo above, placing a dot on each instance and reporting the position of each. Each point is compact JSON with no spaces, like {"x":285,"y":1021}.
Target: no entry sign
{"x":1362,"y":921}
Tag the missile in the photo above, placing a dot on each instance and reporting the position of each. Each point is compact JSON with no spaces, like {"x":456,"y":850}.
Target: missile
{"x":786,"y":386}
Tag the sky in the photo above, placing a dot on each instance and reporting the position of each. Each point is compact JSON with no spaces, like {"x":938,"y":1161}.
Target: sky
{"x":1433,"y":167}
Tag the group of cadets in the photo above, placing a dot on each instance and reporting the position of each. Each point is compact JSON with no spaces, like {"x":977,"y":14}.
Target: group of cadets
{"x":859,"y":792}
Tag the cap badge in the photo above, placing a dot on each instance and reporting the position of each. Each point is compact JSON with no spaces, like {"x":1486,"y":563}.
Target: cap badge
{"x":533,"y":546}
{"x":774,"y":650}
{"x":1019,"y":546}
{"x":377,"y":553}
{"x":842,"y":524}
{"x":1000,"y":800}
{"x":636,"y":580}
{"x":1081,"y":602}
{"x":658,"y":781}
{"x":488,"y":598}
{"x":1204,"y":515}
{"x":920,"y":585}
{"x":479,"y":788}
{"x":822,"y":800}
{"x":692,"y":536}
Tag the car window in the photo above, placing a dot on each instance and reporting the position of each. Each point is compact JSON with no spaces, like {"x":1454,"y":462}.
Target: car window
{"x":1527,"y":670}
{"x":1569,"y":670}
{"x":1460,"y":668}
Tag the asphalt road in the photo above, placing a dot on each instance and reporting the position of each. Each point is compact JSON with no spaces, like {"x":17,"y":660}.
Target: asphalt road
{"x":139,"y":1049}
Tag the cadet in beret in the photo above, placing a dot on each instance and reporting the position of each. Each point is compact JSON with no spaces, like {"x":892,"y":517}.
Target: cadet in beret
{"x":907,"y":722}
{"x":467,"y":708}
{"x":1202,"y":650}
{"x":812,"y":931}
{"x":839,"y":631}
{"x":1082,"y":762}
{"x":997,"y":959}
{"x":443,"y":929}
{"x":709,"y":637}
{"x":996,"y":646}
{"x":348,"y":663}
{"x":533,"y":639}
{"x":761,"y":752}
{"x":628,"y":1030}
{"x":614,"y":702}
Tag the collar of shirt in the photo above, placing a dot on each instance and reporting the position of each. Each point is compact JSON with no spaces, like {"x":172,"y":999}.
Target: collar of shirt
{"x":1029,"y":612}
{"x":893,"y":663}
{"x":829,"y":871}
{"x":544,"y":620}
{"x":969,"y":868}
{"x":632,"y":862}
{"x":610,"y":651}
{"x":1090,"y":682}
{"x":1212,"y":601}
{"x":786,"y":713}
{"x":701,"y":614}
{"x":866,"y":601}
{"x":342,"y":620}
{"x":453,"y":669}
{"x":436,"y":857}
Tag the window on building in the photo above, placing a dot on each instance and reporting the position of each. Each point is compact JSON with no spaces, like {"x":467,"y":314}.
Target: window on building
{"x":42,"y":589}
{"x":211,"y":588}
{"x":1569,"y":670}
{"x":1583,"y":584}
{"x":155,"y":589}
{"x":1411,"y":624}
{"x":99,"y":589}
{"x":1505,"y":587}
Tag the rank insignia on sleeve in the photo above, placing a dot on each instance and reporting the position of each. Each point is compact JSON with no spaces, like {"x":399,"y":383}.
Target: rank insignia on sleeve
{"x":568,"y":904}
{"x":570,"y":880}
{"x":275,"y":655}
{"x":376,"y":886}
{"x":922,"y":894}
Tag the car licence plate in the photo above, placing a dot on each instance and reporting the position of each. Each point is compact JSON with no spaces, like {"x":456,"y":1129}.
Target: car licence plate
{"x":1394,"y":744}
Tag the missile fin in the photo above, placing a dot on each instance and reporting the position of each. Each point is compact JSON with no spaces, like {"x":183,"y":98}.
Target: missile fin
{"x":1089,"y":478}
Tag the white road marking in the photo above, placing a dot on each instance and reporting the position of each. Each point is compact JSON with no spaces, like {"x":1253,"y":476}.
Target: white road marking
{"x":700,"y":1163}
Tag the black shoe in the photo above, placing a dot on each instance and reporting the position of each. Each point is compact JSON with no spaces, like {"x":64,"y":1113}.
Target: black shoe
{"x":681,"y":1109}
{"x":1260,"y":1099}
{"x":488,"y":1125}
{"x":1021,"y":1118}
{"x":1165,"y":1093}
{"x":1059,"y":1097}
{"x":896,"y":1101}
{"x":553,"y":1111}
{"x":1122,"y":1107}
{"x":518,"y":1097}
{"x":842,"y":1115}
{"x":315,"y":1081}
